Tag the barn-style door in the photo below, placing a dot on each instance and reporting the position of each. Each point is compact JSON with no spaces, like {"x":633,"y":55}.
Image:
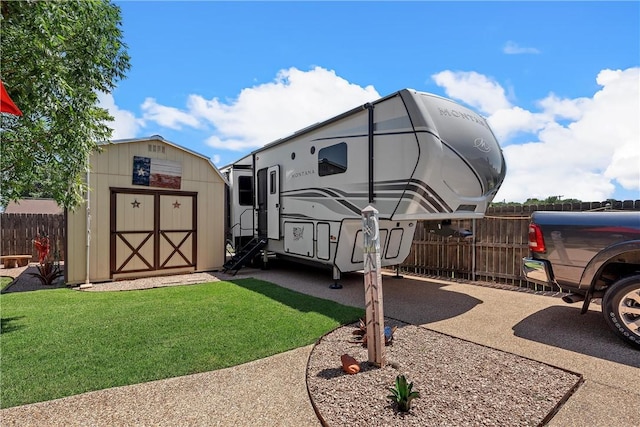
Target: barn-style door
{"x":152,"y":230}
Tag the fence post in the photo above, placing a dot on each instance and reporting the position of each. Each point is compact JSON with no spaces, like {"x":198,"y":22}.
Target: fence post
{"x":473,"y":250}
{"x":373,"y":286}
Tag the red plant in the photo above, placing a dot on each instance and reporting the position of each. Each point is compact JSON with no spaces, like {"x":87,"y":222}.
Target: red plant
{"x":48,"y":270}
{"x":43,"y":247}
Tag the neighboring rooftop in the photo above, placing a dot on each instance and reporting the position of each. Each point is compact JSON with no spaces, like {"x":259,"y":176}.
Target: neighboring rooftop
{"x":34,"y":206}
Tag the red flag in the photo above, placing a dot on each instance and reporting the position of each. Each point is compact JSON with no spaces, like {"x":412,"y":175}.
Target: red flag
{"x":6,"y":104}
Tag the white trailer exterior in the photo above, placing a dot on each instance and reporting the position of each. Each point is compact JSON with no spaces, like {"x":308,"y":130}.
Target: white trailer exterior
{"x":239,"y":213}
{"x":412,"y":155}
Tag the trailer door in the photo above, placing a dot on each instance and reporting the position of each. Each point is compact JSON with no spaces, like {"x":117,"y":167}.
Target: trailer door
{"x":261,"y":202}
{"x":273,"y":203}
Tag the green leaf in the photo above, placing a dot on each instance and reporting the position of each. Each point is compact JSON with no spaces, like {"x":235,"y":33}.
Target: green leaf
{"x":55,"y":57}
{"x":402,"y":394}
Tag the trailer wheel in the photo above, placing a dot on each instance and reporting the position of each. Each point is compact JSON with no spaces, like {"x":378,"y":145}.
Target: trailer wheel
{"x":621,"y":309}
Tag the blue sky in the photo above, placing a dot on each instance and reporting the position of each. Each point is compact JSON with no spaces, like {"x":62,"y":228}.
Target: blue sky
{"x":557,"y":81}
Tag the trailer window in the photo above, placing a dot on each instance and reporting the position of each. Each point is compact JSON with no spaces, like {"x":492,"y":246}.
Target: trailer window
{"x":332,"y":160}
{"x":272,"y":182}
{"x":245,"y":190}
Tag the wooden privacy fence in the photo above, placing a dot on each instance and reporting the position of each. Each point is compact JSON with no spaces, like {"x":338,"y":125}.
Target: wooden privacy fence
{"x":494,"y":252}
{"x":17,"y":232}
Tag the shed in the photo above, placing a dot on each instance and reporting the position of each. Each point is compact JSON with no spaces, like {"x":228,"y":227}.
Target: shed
{"x":154,"y":208}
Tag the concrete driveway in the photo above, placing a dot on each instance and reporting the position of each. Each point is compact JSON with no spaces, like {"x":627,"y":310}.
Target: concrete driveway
{"x":542,"y":328}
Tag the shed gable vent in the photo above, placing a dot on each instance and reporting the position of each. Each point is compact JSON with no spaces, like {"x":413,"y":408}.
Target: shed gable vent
{"x":156,"y":148}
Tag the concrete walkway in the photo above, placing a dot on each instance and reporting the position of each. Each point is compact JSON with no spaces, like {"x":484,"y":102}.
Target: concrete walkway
{"x":265,"y":392}
{"x":541,"y":328}
{"x":272,"y":391}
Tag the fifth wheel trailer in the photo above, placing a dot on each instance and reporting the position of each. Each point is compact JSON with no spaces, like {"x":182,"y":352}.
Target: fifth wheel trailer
{"x":411,"y":155}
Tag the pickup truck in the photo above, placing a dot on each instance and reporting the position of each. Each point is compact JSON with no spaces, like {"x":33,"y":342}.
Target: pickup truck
{"x":590,"y":255}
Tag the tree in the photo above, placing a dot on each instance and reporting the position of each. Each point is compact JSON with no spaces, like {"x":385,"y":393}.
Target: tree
{"x":551,"y":200}
{"x":55,"y":58}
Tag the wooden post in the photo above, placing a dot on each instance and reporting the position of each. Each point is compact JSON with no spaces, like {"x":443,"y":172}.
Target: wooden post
{"x":373,"y":287}
{"x":473,"y":250}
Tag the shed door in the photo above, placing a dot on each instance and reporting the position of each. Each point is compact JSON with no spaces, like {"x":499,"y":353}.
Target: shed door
{"x":132,"y":241}
{"x":152,"y":231}
{"x":177,"y":232}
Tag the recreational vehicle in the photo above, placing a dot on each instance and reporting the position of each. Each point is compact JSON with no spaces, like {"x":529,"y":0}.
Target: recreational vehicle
{"x":411,"y":155}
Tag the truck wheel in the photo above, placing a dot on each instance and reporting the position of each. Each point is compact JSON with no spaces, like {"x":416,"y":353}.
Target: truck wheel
{"x":621,"y":309}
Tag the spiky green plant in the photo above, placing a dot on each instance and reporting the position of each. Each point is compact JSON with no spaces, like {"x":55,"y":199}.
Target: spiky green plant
{"x":402,"y":393}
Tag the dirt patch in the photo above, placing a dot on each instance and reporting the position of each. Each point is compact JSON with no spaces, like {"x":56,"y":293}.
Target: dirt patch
{"x":460,"y":383}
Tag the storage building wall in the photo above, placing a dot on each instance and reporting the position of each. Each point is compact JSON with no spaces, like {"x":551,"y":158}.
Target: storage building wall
{"x":113,"y":168}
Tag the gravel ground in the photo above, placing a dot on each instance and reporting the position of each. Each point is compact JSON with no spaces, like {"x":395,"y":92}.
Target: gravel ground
{"x":24,"y":281}
{"x":460,"y":383}
{"x":153,"y":282}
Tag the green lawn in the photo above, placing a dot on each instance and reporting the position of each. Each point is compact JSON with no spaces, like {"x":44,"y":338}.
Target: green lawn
{"x":4,"y":281}
{"x":61,"y":342}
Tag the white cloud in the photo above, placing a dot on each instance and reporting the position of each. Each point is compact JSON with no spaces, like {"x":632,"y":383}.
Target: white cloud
{"x":169,"y":117}
{"x":474,"y":89}
{"x":509,"y":122}
{"x":512,"y":48}
{"x":266,"y":112}
{"x":625,"y":166}
{"x":578,"y":148}
{"x":125,"y":124}
{"x":564,"y":108}
{"x":583,"y":158}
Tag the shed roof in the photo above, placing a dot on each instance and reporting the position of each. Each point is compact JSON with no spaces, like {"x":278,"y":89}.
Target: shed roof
{"x":173,"y":144}
{"x":34,"y":206}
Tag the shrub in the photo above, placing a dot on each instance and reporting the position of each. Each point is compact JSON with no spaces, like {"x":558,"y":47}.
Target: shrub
{"x":402,"y":393}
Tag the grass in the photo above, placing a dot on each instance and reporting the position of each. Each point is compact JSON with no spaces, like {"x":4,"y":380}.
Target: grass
{"x":60,"y":342}
{"x":4,"y":281}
